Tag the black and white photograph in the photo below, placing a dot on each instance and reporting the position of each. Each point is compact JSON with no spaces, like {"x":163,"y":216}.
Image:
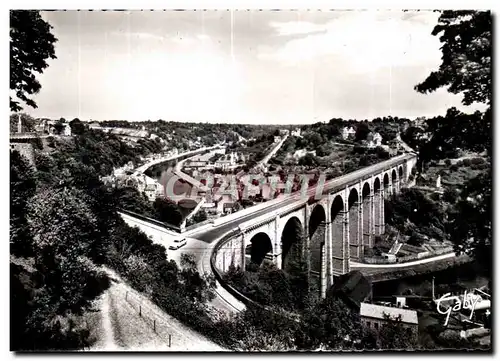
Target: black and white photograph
{"x":248,"y":180}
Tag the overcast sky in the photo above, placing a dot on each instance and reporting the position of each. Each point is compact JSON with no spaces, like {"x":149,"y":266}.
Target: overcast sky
{"x":242,"y":67}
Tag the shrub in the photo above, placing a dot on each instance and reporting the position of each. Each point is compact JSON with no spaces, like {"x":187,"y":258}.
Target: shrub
{"x":454,"y":168}
{"x":477,"y":160}
{"x":415,"y":239}
{"x":447,"y":162}
{"x":467,"y":162}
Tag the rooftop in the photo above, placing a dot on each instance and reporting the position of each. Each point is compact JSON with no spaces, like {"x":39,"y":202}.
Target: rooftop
{"x":378,"y":311}
{"x":353,"y":287}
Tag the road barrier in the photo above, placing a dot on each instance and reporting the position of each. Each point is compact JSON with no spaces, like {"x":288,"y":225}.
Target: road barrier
{"x":150,"y":221}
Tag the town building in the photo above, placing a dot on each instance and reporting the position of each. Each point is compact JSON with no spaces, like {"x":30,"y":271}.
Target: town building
{"x":374,"y":316}
{"x":227,"y":161}
{"x":348,"y":133}
{"x":129,"y":134}
{"x":48,"y":126}
{"x":295,"y":132}
{"x":373,"y":140}
{"x":353,"y":288}
{"x":95,"y":125}
{"x":199,"y":161}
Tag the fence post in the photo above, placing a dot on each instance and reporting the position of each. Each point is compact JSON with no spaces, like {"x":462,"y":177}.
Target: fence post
{"x":126,"y":296}
{"x":154,"y":325}
{"x":169,"y":340}
{"x":140,"y":310}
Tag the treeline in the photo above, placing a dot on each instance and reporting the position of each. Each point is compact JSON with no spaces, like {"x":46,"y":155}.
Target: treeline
{"x":445,"y":137}
{"x":96,"y":149}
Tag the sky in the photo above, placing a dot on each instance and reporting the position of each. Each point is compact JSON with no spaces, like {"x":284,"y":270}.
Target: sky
{"x":280,"y":67}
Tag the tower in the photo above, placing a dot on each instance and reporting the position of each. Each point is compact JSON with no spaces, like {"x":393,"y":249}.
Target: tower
{"x":19,"y":124}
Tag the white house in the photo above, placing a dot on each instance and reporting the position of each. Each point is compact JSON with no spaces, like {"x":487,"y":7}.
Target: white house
{"x":226,"y":161}
{"x":295,"y":132}
{"x":151,"y":191}
{"x":348,"y":132}
{"x":373,"y":140}
{"x":373,"y":316}
{"x":94,"y":125}
{"x":66,"y":130}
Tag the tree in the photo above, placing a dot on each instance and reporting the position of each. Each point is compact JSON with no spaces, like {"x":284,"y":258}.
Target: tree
{"x":22,"y":189}
{"x":362,"y":131}
{"x":27,"y":122}
{"x":31,"y":44}
{"x":331,"y":323}
{"x":470,"y":223}
{"x":77,"y":127}
{"x":167,"y":211}
{"x":466,"y":69}
{"x":394,"y":335}
{"x":308,"y":160}
{"x":298,"y":276}
{"x":62,"y":223}
{"x":466,"y":60}
{"x":200,"y":216}
{"x":196,"y":287}
{"x":59,"y":126}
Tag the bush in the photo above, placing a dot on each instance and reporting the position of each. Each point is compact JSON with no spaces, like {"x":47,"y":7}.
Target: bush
{"x":467,"y":162}
{"x":415,"y":239}
{"x":447,"y":162}
{"x":454,"y":168}
{"x":477,"y":160}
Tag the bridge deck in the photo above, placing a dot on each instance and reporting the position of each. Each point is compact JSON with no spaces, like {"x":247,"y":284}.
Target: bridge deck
{"x":296,"y":199}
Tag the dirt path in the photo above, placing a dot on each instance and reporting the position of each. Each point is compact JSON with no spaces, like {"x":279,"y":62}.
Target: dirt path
{"x":129,"y":321}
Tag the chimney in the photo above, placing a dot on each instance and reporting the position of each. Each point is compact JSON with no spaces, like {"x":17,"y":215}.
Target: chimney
{"x":19,"y":124}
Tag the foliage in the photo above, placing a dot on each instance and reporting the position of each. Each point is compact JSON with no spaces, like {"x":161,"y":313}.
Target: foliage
{"x":167,"y":211}
{"x":200,"y":216}
{"x":31,"y":44}
{"x":77,"y":127}
{"x":456,"y":131}
{"x":35,"y":321}
{"x":466,"y":62}
{"x":22,"y":188}
{"x":308,"y":160}
{"x":412,"y":210}
{"x":129,"y":198}
{"x":395,"y":335}
{"x":466,"y":69}
{"x":362,"y":131}
{"x":196,"y":287}
{"x":471,"y":220}
{"x":331,"y":323}
{"x":53,"y":216}
{"x":27,"y":121}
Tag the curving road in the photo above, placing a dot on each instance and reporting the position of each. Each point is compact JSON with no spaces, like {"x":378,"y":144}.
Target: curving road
{"x":358,"y":265}
{"x":201,"y":243}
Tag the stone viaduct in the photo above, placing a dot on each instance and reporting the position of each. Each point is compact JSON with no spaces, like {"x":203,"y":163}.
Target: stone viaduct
{"x":332,"y":230}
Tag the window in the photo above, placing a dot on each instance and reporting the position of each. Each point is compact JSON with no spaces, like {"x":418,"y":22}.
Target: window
{"x":376,"y":325}
{"x":369,"y":324}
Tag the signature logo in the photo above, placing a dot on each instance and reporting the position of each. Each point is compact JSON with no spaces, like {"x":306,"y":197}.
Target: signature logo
{"x":457,"y":303}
